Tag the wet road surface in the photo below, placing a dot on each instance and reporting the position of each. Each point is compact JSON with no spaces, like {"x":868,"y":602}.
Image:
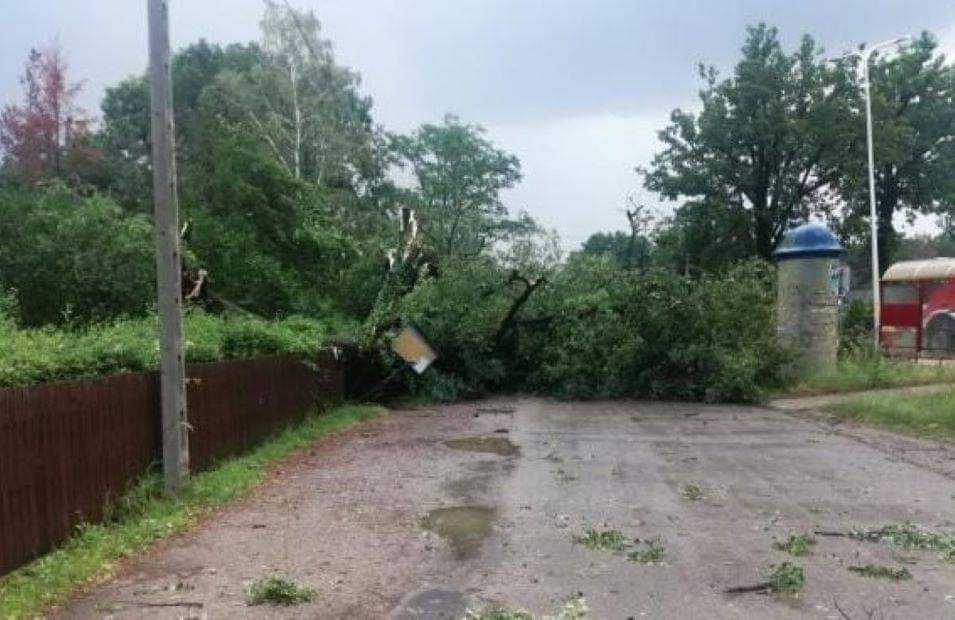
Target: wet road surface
{"x":434,"y":510}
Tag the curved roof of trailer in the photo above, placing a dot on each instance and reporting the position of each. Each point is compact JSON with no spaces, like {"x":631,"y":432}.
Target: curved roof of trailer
{"x":917,"y":270}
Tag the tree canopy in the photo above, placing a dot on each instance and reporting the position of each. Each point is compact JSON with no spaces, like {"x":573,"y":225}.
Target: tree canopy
{"x":298,"y":207}
{"x":459,"y":178}
{"x":764,"y":141}
{"x":45,"y":137}
{"x":913,"y":109}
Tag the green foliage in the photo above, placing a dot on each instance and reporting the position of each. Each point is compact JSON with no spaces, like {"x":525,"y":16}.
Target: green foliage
{"x":70,"y":258}
{"x":642,"y":551}
{"x":760,"y":150}
{"x":624,"y":250}
{"x":796,"y":544}
{"x":692,"y":492}
{"x":460,"y":176}
{"x":864,"y":369}
{"x":593,"y":330}
{"x":40,"y":355}
{"x":571,"y":608}
{"x":705,"y":236}
{"x":603,"y":540}
{"x":927,"y":415}
{"x":279,"y":591}
{"x":786,"y":578}
{"x":912,"y":90}
{"x":146,"y":514}
{"x":912,"y":537}
{"x":607,"y":333}
{"x":459,"y":313}
{"x":855,"y":329}
{"x":281,"y":169}
{"x":647,"y":551}
{"x":882,"y":572}
{"x":498,"y":614}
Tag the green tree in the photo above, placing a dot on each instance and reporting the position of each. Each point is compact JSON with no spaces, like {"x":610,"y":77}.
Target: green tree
{"x":704,"y":236}
{"x":913,"y":110}
{"x":599,"y":331}
{"x":281,"y":168}
{"x":764,"y":141}
{"x":459,"y":178}
{"x":61,"y":264}
{"x":625,"y":250}
{"x":304,"y":107}
{"x":124,"y":137}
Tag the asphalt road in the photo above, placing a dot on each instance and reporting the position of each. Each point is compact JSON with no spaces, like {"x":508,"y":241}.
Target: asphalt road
{"x":388,"y":520}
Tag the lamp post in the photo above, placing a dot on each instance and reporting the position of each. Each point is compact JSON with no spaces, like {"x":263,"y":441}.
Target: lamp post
{"x":865,"y":55}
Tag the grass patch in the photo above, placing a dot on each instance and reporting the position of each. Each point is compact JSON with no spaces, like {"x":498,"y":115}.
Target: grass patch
{"x":572,"y":608}
{"x":796,"y":544}
{"x":647,"y":551}
{"x":785,"y":578}
{"x":913,"y":537}
{"x":882,"y":572}
{"x":603,"y":540}
{"x":869,"y":371}
{"x":643,"y":551}
{"x":146,"y":514}
{"x":498,"y":614}
{"x":280,"y":592}
{"x":924,"y":415}
{"x":692,"y":492}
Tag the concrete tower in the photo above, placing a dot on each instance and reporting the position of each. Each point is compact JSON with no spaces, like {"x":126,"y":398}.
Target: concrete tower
{"x":807,"y":310}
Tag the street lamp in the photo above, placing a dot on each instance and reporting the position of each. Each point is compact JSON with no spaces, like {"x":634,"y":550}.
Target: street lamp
{"x":865,"y":55}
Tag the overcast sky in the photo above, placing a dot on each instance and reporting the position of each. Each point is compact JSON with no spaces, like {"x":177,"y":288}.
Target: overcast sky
{"x":575,"y":88}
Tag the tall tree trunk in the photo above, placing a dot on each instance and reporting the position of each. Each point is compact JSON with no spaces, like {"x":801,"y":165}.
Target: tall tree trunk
{"x":297,"y":120}
{"x":763,"y":230}
{"x":888,"y":238}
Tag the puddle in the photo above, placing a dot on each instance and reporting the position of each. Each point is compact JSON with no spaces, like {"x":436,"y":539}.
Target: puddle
{"x":493,"y":445}
{"x":505,"y":410}
{"x":431,"y":604}
{"x":464,"y":527}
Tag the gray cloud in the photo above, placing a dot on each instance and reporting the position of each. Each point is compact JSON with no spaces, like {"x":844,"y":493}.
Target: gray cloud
{"x":574,"y":87}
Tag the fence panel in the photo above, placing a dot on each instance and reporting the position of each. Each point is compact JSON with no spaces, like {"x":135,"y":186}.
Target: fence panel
{"x":66,"y":448}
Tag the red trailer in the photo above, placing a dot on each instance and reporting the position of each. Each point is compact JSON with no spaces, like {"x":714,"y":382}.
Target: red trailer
{"x":918,"y":309}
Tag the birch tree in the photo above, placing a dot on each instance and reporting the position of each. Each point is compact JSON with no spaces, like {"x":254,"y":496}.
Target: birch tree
{"x":304,"y":107}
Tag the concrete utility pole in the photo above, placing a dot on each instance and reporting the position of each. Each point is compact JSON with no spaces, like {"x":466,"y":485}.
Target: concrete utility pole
{"x":175,"y":427}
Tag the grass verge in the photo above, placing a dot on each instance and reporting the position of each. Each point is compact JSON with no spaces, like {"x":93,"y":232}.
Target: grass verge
{"x":868,"y":371}
{"x":924,"y":415}
{"x":145,"y":515}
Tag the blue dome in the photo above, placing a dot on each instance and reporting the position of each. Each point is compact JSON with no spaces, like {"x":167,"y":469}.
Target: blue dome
{"x":807,"y":241}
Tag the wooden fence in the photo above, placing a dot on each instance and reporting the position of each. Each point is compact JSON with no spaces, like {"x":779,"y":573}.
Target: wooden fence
{"x":67,"y":448}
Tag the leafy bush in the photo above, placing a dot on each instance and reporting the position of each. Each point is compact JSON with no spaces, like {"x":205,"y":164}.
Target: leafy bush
{"x":614,"y":333}
{"x":38,"y":355}
{"x":459,"y":313}
{"x":786,"y":578}
{"x":796,"y":544}
{"x":598,"y":331}
{"x":70,"y":258}
{"x":855,"y":330}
